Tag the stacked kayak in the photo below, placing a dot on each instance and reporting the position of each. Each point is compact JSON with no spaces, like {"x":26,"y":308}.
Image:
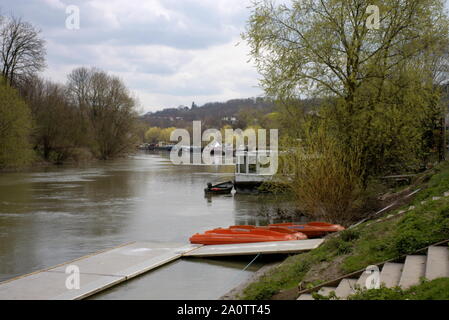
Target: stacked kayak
{"x":246,"y":234}
{"x":312,"y":229}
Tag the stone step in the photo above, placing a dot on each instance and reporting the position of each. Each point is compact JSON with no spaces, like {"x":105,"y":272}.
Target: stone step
{"x":414,"y":269}
{"x":305,"y":296}
{"x":391,"y":274}
{"x":437,"y":263}
{"x":326,"y":291}
{"x":346,"y":288}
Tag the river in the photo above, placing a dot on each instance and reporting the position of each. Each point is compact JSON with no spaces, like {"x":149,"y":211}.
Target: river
{"x":53,"y":215}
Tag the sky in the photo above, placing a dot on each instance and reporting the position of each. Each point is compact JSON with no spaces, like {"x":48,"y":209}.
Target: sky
{"x":168,"y":52}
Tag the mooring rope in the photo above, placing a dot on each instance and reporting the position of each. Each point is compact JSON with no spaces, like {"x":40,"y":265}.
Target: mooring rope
{"x":252,"y":261}
{"x":240,"y":274}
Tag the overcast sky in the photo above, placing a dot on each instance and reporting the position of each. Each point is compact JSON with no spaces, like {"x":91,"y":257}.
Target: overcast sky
{"x":169,"y":52}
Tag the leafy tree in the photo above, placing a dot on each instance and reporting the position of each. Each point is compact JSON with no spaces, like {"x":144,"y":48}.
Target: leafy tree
{"x":270,"y":121}
{"x":325,"y":46}
{"x":15,"y":128}
{"x":165,"y":134}
{"x":153,"y":134}
{"x":376,"y":85}
{"x":141,"y":129}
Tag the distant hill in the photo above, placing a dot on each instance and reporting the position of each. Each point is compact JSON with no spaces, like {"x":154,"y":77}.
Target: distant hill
{"x":215,"y":114}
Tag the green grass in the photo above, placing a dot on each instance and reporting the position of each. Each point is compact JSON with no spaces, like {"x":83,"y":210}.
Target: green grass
{"x":293,"y":269}
{"x":369,"y":243}
{"x":438,"y":184}
{"x":428,"y":290}
{"x":426,"y":225}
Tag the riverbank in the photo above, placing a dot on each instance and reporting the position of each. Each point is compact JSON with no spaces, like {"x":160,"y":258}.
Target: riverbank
{"x":40,"y":163}
{"x":236,"y":292}
{"x":411,"y":224}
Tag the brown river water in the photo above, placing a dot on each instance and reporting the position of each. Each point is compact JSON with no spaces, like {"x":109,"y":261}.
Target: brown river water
{"x":53,"y":215}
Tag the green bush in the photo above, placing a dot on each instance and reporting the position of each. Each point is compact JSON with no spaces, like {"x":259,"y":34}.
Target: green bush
{"x":379,"y":294}
{"x":350,"y":235}
{"x":437,"y":185}
{"x":15,"y":128}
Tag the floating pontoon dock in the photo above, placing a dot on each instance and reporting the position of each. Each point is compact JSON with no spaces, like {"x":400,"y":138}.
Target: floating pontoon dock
{"x":278,"y":247}
{"x":103,"y":270}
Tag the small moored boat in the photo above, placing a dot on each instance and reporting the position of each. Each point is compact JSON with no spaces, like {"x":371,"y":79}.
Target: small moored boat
{"x":312,"y":229}
{"x":221,"y":188}
{"x":245,"y":234}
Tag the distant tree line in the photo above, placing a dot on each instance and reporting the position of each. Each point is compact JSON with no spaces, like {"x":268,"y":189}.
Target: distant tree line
{"x":245,"y":111}
{"x":92,"y":115}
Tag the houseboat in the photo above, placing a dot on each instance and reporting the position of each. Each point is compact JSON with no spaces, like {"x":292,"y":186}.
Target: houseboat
{"x":253,"y":168}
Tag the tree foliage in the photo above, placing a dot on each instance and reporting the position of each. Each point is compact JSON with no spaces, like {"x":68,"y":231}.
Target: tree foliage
{"x":376,"y":89}
{"x":325,"y":46}
{"x":15,"y":128}
{"x":156,"y":134}
{"x":376,"y":86}
{"x":324,"y":178}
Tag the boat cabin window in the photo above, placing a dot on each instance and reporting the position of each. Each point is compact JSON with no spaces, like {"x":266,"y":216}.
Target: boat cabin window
{"x":252,"y":163}
{"x":242,"y":164}
{"x":252,"y":167}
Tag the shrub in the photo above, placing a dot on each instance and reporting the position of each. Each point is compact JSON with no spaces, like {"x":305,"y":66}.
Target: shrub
{"x":427,"y":290}
{"x":326,"y":178}
{"x":15,"y":128}
{"x":421,"y":228}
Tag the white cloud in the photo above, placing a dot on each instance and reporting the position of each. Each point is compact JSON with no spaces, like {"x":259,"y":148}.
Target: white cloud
{"x":55,"y":4}
{"x":169,"y":52}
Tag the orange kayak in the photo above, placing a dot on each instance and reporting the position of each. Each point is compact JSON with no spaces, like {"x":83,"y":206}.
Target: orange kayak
{"x":312,"y":229}
{"x":271,"y":228}
{"x":245,"y":234}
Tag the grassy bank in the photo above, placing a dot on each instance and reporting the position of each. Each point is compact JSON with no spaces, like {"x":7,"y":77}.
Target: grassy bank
{"x":370,"y":243}
{"x":428,"y":290}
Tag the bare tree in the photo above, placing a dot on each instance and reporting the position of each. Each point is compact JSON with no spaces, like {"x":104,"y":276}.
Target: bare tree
{"x":110,"y":108}
{"x":22,"y":51}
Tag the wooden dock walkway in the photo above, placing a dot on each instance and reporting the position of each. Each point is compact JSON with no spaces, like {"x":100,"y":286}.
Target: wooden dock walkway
{"x":103,"y":270}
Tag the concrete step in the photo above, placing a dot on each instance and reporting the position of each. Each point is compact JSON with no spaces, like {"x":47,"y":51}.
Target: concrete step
{"x":326,"y":291}
{"x":305,"y":297}
{"x":346,"y":288}
{"x":414,"y":269}
{"x":391,"y":274}
{"x":437,"y":263}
